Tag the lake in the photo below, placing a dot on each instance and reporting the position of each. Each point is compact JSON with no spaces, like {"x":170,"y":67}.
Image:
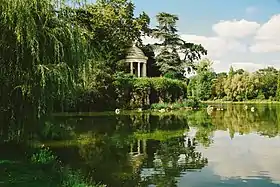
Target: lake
{"x":232,"y":147}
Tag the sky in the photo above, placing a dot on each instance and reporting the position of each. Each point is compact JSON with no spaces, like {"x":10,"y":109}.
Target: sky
{"x":239,"y":33}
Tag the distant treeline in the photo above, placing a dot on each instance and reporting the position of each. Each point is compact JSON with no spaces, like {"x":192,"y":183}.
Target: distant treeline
{"x":236,"y":85}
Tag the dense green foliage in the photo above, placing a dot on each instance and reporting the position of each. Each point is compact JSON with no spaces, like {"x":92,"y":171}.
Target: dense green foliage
{"x":237,"y":85}
{"x":58,"y":55}
{"x":200,"y":86}
{"x":130,"y":92}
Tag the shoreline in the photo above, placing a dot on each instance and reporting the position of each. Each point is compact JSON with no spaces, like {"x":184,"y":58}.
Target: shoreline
{"x":242,"y":102}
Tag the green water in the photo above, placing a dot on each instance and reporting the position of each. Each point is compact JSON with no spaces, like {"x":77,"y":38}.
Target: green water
{"x":233,"y":147}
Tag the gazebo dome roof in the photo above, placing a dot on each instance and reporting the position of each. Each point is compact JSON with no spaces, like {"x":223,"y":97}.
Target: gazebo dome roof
{"x":135,"y":53}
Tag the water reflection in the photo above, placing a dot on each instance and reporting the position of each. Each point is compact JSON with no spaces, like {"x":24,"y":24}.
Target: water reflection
{"x":234,"y":147}
{"x":133,"y":150}
{"x":244,"y":157}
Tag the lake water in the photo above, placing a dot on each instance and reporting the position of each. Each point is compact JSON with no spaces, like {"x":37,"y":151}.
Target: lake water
{"x":233,"y":147}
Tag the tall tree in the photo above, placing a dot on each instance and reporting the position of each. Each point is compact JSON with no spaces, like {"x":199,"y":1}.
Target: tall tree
{"x":201,"y":84}
{"x":168,"y":59}
{"x":112,"y":26}
{"x":171,"y":46}
{"x":39,"y":48}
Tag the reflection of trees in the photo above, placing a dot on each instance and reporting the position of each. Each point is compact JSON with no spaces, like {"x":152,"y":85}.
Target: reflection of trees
{"x":265,"y":121}
{"x":141,"y":149}
{"x":114,"y":150}
{"x":205,"y":129}
{"x":237,"y":120}
{"x":171,"y":159}
{"x":126,"y":165}
{"x":107,"y":161}
{"x":26,"y":128}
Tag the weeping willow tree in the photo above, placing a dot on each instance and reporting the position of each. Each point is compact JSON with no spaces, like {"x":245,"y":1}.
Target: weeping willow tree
{"x":41,"y":54}
{"x":52,"y":50}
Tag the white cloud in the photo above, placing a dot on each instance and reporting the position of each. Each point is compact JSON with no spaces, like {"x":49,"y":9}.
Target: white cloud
{"x":265,"y":47}
{"x":270,"y":30}
{"x":267,"y":38}
{"x":216,"y":46}
{"x":246,"y":44}
{"x":235,"y":28}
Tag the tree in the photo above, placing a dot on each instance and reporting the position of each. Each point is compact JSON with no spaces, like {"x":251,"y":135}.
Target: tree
{"x":192,"y":53}
{"x":268,"y":78}
{"x":171,"y":45}
{"x":278,"y":89}
{"x":201,"y":84}
{"x":218,"y":86}
{"x":240,"y":71}
{"x":112,"y":27}
{"x":166,"y":30}
{"x":41,"y":52}
{"x":168,"y":58}
{"x":152,"y":68}
{"x":231,"y":72}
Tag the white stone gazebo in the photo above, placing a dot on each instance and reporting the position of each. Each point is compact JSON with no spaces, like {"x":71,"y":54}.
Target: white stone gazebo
{"x":137,"y":60}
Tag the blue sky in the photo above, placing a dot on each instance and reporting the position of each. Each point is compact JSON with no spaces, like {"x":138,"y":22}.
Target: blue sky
{"x":242,"y":33}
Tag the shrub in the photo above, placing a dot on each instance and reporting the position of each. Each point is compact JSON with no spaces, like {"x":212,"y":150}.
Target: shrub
{"x":129,"y":92}
{"x":135,"y":92}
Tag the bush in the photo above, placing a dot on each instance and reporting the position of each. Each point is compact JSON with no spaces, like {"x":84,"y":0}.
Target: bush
{"x":142,"y":92}
{"x":129,"y":92}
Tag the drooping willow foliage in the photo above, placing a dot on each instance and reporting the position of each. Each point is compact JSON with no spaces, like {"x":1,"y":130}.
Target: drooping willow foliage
{"x":53,"y":51}
{"x":41,"y":53}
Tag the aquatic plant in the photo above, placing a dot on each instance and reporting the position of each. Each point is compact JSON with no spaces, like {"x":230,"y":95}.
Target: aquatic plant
{"x":43,"y":156}
{"x":66,"y":176}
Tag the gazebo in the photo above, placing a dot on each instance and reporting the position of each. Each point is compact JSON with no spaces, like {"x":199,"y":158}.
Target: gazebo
{"x":137,"y":60}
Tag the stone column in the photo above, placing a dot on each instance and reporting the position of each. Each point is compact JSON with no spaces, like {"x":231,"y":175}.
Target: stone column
{"x":139,"y":70}
{"x":139,"y":145}
{"x":144,"y":146}
{"x":144,"y":70}
{"x":131,"y":68}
